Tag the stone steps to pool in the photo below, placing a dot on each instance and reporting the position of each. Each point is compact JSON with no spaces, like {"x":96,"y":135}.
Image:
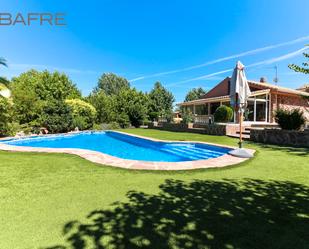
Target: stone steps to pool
{"x":192,"y":152}
{"x":201,"y":152}
{"x":182,"y":154}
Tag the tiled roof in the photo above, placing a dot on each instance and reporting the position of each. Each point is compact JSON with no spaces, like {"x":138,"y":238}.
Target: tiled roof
{"x":265,"y":87}
{"x":278,"y":88}
{"x":201,"y":101}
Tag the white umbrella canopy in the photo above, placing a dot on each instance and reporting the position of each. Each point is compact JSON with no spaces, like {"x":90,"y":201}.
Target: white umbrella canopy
{"x":239,"y":88}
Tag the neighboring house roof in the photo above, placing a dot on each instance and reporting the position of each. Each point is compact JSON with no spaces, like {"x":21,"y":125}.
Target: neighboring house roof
{"x":304,"y":87}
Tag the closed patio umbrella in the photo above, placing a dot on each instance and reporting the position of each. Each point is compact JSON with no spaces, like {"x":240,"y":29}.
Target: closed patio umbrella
{"x":239,"y":88}
{"x":239,"y":94}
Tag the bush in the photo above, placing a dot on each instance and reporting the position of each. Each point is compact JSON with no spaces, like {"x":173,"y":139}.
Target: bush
{"x":83,"y":113}
{"x":57,"y":117}
{"x":153,"y":116}
{"x":187,"y":117}
{"x":5,"y":115}
{"x":290,"y":120}
{"x":123,"y":120}
{"x":223,"y":114}
{"x":13,"y":128}
{"x":110,"y":126}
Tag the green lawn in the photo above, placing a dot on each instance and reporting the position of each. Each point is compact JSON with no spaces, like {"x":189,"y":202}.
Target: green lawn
{"x":63,"y":201}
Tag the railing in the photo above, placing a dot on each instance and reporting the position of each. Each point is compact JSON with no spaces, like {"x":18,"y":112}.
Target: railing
{"x":201,"y":119}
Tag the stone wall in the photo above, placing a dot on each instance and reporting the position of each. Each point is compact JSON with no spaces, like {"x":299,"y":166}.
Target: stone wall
{"x":280,"y":137}
{"x":213,"y":129}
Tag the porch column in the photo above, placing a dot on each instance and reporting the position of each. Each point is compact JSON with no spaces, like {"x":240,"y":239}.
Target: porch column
{"x":270,"y":108}
{"x":266,"y":109}
{"x":254,"y":110}
{"x":208,"y":108}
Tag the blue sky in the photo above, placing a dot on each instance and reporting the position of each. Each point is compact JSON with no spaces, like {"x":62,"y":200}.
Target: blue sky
{"x":140,"y":40}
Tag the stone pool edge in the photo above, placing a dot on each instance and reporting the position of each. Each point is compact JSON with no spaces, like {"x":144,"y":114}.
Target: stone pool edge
{"x":105,"y":159}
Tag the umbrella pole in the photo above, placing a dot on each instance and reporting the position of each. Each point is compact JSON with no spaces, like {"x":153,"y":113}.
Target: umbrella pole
{"x":240,"y":127}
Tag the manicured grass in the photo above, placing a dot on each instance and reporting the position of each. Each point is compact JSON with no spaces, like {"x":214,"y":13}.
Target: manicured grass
{"x":63,"y":201}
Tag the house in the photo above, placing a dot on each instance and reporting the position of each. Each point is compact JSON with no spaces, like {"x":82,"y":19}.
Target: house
{"x":265,"y":99}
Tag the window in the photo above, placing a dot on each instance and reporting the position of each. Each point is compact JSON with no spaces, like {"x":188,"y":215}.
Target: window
{"x":261,"y":96}
{"x":249,"y":112}
{"x":189,"y":108}
{"x":213,"y":107}
{"x":201,"y":109}
{"x":228,"y":103}
{"x":257,"y":109}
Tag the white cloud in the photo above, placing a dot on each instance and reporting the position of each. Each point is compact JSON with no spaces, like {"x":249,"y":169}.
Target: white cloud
{"x":260,"y":63}
{"x":250,"y":52}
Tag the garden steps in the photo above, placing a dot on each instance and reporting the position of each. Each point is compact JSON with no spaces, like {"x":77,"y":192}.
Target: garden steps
{"x":244,"y":136}
{"x":245,"y":133}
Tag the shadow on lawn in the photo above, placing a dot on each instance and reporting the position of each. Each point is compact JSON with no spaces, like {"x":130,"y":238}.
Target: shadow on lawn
{"x":201,"y":214}
{"x":298,"y":151}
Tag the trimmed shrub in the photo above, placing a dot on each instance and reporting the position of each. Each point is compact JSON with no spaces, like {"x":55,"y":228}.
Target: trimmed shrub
{"x":290,"y":119}
{"x":84,"y":114}
{"x":223,"y":114}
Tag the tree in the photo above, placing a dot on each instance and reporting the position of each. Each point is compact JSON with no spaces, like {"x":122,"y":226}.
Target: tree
{"x":112,"y":84}
{"x":134,"y":104}
{"x":305,"y":65}
{"x":161,"y":100}
{"x":55,"y":86}
{"x":195,"y":93}
{"x":34,"y":91}
{"x":83,"y":113}
{"x":104,"y":105}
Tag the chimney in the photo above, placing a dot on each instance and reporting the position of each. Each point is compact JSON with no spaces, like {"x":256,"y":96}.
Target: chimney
{"x":263,"y":80}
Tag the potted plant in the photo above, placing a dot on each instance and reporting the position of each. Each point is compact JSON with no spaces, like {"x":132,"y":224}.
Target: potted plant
{"x":187,"y":118}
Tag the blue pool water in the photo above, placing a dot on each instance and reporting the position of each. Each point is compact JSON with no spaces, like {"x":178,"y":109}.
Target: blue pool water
{"x":125,"y":146}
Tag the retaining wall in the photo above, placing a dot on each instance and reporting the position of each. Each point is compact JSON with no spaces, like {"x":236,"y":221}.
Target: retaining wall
{"x":280,"y":137}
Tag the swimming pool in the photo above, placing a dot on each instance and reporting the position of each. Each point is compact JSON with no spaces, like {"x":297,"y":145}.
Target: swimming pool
{"x":125,"y":146}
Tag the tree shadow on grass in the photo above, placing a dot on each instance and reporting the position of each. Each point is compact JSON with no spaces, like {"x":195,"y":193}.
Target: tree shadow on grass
{"x":298,"y":151}
{"x":201,"y":214}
